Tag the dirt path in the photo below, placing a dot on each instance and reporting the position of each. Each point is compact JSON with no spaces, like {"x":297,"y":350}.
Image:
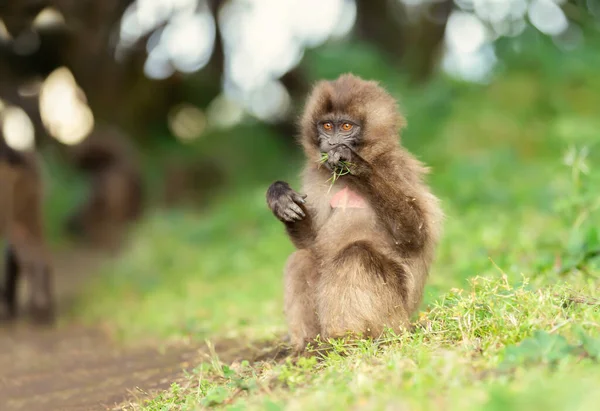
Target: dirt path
{"x":79,"y":368}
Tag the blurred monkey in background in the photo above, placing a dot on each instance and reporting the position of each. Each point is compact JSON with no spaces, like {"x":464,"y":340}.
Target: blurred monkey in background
{"x":26,"y":257}
{"x":116,"y":195}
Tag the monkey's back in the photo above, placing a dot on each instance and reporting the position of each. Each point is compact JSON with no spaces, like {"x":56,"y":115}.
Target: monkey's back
{"x":20,"y":190}
{"x":27,"y":196}
{"x":6,"y":184}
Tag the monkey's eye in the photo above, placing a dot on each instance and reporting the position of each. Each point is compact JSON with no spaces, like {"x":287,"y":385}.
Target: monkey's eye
{"x":328,"y":126}
{"x":347,"y":126}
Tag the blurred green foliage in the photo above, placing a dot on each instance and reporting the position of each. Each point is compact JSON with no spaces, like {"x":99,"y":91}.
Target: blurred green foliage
{"x":515,"y":163}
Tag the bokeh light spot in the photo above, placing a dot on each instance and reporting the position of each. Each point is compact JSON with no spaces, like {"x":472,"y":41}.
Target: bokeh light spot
{"x":547,"y":17}
{"x":64,"y":109}
{"x":186,"y":122}
{"x":223,"y":112}
{"x":17,"y":128}
{"x":48,"y":17}
{"x":4,"y":34}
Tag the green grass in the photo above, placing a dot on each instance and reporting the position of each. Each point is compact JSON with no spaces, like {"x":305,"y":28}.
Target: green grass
{"x":511,"y":315}
{"x":474,"y":349}
{"x":189,"y":275}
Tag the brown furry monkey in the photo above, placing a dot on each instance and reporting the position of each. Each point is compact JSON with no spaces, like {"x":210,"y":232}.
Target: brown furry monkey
{"x":117,"y":192}
{"x":366,"y":243}
{"x":21,"y":224}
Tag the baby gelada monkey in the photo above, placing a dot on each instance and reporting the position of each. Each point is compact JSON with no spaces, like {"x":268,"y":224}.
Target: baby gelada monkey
{"x":364,"y":244}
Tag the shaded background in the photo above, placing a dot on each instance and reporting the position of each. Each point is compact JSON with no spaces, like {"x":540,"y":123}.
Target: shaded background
{"x":202,"y":96}
{"x":161,"y":123}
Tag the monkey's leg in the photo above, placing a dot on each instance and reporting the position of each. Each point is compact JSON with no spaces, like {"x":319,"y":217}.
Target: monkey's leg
{"x":11,"y":275}
{"x":299,"y":298}
{"x":360,"y":292}
{"x":41,"y":292}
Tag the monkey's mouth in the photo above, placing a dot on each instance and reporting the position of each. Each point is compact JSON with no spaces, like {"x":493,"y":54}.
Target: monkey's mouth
{"x":337,"y":170}
{"x":341,"y":168}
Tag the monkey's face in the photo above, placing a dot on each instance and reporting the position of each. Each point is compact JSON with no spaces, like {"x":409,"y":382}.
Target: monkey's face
{"x":350,"y":111}
{"x":336,"y":130}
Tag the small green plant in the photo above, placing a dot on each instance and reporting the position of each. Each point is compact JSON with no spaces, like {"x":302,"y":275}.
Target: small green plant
{"x":578,"y":207}
{"x":542,"y":347}
{"x":549,"y":349}
{"x":342,"y":169}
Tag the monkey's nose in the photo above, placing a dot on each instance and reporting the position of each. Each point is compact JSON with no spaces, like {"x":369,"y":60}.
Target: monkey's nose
{"x":326,"y":146}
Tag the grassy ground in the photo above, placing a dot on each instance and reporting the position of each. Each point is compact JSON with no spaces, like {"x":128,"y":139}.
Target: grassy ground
{"x":511,"y":317}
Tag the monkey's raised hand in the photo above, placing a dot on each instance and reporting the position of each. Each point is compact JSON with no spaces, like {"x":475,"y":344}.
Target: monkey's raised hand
{"x":285,"y":202}
{"x":342,"y":157}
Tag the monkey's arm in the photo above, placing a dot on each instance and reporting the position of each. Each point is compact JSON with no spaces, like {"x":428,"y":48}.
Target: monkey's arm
{"x":301,"y":232}
{"x":290,"y":208}
{"x":394,"y":202}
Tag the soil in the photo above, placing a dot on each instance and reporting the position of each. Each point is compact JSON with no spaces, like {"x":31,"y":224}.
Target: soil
{"x":73,"y":367}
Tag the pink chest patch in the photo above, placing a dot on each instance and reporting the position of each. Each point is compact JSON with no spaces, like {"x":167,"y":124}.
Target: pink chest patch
{"x":347,"y":198}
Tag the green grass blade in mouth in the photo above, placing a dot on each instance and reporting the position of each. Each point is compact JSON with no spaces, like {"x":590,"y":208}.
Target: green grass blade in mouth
{"x":342,"y":169}
{"x":324,"y":158}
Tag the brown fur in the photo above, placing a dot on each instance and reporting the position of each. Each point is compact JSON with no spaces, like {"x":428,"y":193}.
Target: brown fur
{"x":26,"y":254}
{"x":117,"y":194}
{"x":191,"y":183}
{"x":363,"y":269}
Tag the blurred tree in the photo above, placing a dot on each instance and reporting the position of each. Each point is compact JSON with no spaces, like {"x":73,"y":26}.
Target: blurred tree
{"x":409,"y":36}
{"x":117,"y":92}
